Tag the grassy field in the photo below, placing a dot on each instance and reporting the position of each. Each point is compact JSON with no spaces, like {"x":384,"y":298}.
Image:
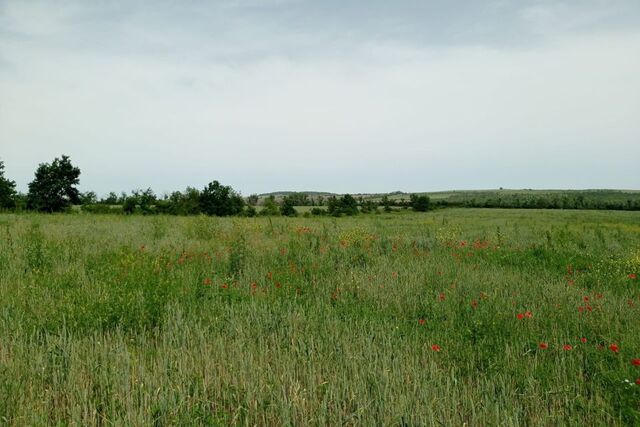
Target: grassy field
{"x":483,"y":317}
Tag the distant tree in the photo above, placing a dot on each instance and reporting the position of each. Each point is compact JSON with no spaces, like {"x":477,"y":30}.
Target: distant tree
{"x":386,"y":203}
{"x":111,"y":199}
{"x":318,"y":211}
{"x":146,"y":199}
{"x":53,"y":188}
{"x":419,"y":203}
{"x":345,"y":205}
{"x":250,"y":211}
{"x":21,"y":201}
{"x":129,"y":204}
{"x":220,"y":200}
{"x":252,"y":200}
{"x":7,"y":190}
{"x":187,"y":203}
{"x":270,"y":207}
{"x":299,"y":199}
{"x":88,"y":198}
{"x":348,"y":205}
{"x":333,"y":206}
{"x":287,"y":206}
{"x":368,"y":206}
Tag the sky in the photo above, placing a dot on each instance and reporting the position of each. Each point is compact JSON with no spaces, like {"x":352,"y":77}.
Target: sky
{"x":332,"y":95}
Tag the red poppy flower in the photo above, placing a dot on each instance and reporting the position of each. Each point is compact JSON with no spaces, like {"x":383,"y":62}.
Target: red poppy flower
{"x":614,"y":348}
{"x":206,"y":281}
{"x":442,"y":296}
{"x":585,"y":299}
{"x":583,"y":340}
{"x":567,"y":347}
{"x":422,"y":321}
{"x":436,"y":347}
{"x":528,"y":314}
{"x":520,"y":316}
{"x":543,"y":345}
{"x":474,"y":303}
{"x":635,"y":362}
{"x":638,"y":381}
{"x":224,"y":286}
{"x":633,"y":276}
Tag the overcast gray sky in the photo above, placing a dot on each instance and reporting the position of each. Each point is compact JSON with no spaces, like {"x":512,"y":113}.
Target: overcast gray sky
{"x":331,"y":95}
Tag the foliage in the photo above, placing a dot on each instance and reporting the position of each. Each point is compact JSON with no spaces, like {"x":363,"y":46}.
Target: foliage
{"x":53,"y":188}
{"x":287,"y":206}
{"x":419,"y":203}
{"x":368,"y":206}
{"x":88,"y":198}
{"x":7,"y":190}
{"x":345,"y":205}
{"x":250,"y":211}
{"x":270,"y":207}
{"x":220,"y":200}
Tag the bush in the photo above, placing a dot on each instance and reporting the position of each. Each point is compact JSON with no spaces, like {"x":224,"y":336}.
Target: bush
{"x":286,"y":208}
{"x":419,"y":203}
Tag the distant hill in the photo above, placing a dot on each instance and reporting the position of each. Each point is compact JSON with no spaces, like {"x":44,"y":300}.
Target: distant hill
{"x":288,"y":193}
{"x":464,"y":194}
{"x":502,"y":197}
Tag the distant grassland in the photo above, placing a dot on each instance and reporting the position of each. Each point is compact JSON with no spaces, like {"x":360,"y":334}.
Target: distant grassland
{"x":476,"y":316}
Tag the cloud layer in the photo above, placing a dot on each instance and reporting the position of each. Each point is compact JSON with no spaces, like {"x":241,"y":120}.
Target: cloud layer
{"x":335,"y":96}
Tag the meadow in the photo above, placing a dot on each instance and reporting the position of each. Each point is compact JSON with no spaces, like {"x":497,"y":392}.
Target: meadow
{"x":450,"y":317}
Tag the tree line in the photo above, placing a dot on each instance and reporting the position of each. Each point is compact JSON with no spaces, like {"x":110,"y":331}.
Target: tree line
{"x":587,"y":200}
{"x":54,"y":189}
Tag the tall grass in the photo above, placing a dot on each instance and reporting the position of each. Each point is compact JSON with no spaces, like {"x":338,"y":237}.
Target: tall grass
{"x":318,"y":321}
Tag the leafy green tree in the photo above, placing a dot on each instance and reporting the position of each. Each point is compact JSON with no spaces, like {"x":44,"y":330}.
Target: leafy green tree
{"x":54,"y":187}
{"x":287,"y":206}
{"x":140,"y":200}
{"x":345,"y":205}
{"x":187,"y":203}
{"x":419,"y":203}
{"x":146,"y":200}
{"x":220,"y":200}
{"x":348,"y":205}
{"x":7,"y":190}
{"x":252,"y":200}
